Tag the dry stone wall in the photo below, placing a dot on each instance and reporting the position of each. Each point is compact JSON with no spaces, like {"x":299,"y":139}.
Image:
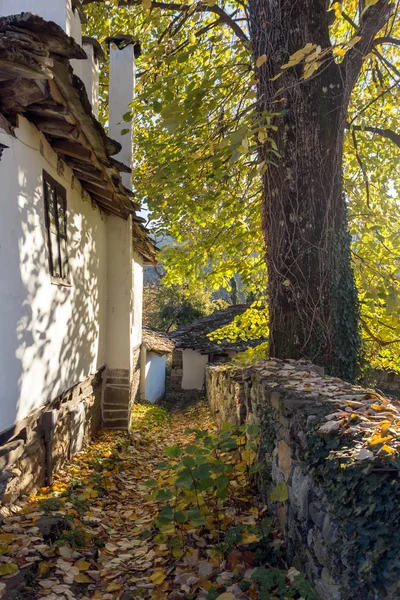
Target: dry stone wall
{"x":23,"y":452}
{"x":330,"y":453}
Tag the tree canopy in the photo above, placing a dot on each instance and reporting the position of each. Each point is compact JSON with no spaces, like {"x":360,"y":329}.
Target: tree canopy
{"x":198,"y":167}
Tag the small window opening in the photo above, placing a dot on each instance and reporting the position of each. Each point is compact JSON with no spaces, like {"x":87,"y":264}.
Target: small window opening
{"x":55,"y":200}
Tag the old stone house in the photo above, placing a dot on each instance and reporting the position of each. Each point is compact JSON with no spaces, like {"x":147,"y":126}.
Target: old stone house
{"x":72,"y":247}
{"x":194,"y":349}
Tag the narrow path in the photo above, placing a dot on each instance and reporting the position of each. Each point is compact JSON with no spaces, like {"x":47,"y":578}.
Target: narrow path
{"x":99,"y":533}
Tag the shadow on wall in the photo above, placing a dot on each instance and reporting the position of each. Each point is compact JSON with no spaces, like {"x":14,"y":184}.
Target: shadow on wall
{"x":52,"y":336}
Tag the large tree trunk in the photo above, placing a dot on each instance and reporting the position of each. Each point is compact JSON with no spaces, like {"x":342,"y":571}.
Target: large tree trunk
{"x":312,"y":294}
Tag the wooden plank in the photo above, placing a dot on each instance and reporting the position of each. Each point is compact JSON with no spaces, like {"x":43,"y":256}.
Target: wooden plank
{"x":101,"y":192}
{"x":49,"y":109}
{"x":86,"y":177}
{"x":57,"y":128}
{"x":88,"y":168}
{"x":72,"y":149}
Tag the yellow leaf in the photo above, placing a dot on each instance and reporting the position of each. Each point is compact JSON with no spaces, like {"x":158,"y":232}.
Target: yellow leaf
{"x":192,"y":38}
{"x":385,"y":425}
{"x":158,"y":576}
{"x":377,"y":407}
{"x":44,"y":567}
{"x":354,"y":41}
{"x":250,"y":538}
{"x":378,"y":439}
{"x":7,"y":537}
{"x":8,"y":568}
{"x":388,"y":449}
{"x":249,"y":456}
{"x":114,"y":587}
{"x":146,"y":3}
{"x":262,"y":136}
{"x":337,"y":7}
{"x":82,"y":565}
{"x":226,"y":596}
{"x":261,"y":60}
{"x":4,"y":549}
{"x":81,"y":578}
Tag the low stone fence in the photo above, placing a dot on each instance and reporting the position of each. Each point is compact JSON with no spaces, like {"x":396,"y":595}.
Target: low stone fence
{"x":330,"y":471}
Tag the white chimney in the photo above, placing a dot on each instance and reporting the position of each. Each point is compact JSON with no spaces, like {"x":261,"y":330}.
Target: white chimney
{"x":123,"y":50}
{"x":90,"y":71}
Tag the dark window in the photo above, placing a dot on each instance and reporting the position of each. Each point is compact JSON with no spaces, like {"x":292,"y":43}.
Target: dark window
{"x":55,"y":201}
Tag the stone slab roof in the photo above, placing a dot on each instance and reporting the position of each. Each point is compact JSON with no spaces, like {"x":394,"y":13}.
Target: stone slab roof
{"x":156,"y":341}
{"x":195,"y":335}
{"x":37,"y":81}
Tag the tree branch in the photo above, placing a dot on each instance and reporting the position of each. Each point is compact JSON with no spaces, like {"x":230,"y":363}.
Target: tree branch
{"x":200,"y":7}
{"x":360,"y":162}
{"x":386,"y":40}
{"x":375,"y":338}
{"x":371,"y":22}
{"x":386,"y":133}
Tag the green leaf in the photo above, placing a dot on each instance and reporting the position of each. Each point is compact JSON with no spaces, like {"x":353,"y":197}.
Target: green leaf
{"x":189,"y":462}
{"x":173,"y":451}
{"x":195,"y":517}
{"x":280,"y":493}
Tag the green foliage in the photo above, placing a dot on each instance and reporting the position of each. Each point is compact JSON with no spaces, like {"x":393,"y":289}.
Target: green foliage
{"x":273,"y":584}
{"x":197,"y":165}
{"x":195,"y":494}
{"x":169,"y":307}
{"x":48,"y":505}
{"x":366,"y":496}
{"x":147,"y":416}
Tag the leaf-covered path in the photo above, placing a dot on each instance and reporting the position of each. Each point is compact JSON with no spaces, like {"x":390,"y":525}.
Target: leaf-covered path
{"x":134,"y":517}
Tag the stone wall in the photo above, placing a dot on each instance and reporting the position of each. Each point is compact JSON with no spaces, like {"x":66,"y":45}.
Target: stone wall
{"x":387,"y":380}
{"x":335,"y":495}
{"x":121,"y":388}
{"x":176,"y":370}
{"x":23,"y":453}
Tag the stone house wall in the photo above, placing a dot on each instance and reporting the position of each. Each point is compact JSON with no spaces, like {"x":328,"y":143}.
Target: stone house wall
{"x":176,"y":370}
{"x":23,"y":449}
{"x":340,"y":501}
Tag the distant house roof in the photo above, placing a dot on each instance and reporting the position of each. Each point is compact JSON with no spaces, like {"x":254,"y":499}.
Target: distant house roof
{"x":156,"y":341}
{"x":37,"y":81}
{"x":195,"y":337}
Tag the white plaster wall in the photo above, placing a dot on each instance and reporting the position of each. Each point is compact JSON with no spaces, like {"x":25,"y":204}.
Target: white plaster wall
{"x":137,"y":305}
{"x":155,"y":376}
{"x":119,"y":293}
{"x":120,"y":95}
{"x":194,"y":369}
{"x":90,"y":77}
{"x":51,"y":337}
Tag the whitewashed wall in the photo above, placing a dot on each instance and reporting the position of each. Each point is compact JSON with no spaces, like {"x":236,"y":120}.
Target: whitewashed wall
{"x":51,"y":337}
{"x":194,"y":369}
{"x":155,"y":376}
{"x":137,"y":304}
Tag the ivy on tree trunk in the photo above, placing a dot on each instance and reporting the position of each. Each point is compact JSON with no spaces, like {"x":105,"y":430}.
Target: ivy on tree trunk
{"x":312,"y":295}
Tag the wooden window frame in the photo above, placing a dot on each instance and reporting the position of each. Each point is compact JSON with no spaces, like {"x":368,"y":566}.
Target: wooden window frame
{"x":57,"y":239}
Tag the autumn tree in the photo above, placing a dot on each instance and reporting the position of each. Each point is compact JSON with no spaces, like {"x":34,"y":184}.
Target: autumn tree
{"x":319,"y":72}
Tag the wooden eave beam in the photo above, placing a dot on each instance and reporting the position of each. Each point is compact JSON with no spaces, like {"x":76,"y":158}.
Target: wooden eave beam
{"x":100,"y":192}
{"x":72,"y":149}
{"x":64,"y":92}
